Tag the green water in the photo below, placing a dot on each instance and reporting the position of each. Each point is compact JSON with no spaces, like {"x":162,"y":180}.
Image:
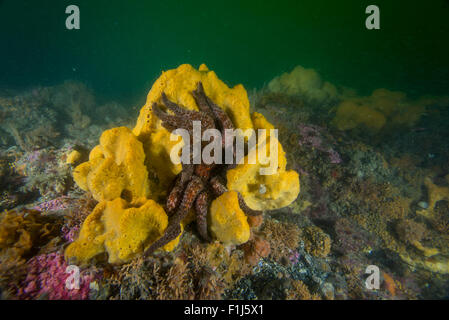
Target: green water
{"x":123,"y":46}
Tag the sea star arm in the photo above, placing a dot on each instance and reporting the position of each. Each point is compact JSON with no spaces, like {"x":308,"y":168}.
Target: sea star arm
{"x":204,"y":103}
{"x":246,"y":209}
{"x":188,"y":115}
{"x":219,"y":188}
{"x":194,"y":187}
{"x":201,"y":208}
{"x":174,"y":197}
{"x":201,"y":100}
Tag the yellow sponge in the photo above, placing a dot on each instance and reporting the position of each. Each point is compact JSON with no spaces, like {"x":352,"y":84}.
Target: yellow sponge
{"x":178,"y":85}
{"x":264,"y":191}
{"x":227,"y":222}
{"x":119,"y":230}
{"x":115,"y":168}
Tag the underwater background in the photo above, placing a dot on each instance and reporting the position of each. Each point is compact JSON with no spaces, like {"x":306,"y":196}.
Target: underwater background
{"x":87,"y":185}
{"x":122,"y":46}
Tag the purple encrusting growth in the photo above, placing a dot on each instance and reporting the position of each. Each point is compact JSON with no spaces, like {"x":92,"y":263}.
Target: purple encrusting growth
{"x":69,"y":234}
{"x":312,"y":136}
{"x":39,"y":159}
{"x":53,"y":205}
{"x":294,"y":257}
{"x":47,"y":275}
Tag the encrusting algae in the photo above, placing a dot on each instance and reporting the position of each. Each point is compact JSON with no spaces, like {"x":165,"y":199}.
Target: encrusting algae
{"x":130,"y":174}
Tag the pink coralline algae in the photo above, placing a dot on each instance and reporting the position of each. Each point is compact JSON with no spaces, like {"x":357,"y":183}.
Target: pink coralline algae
{"x":334,"y":156}
{"x":47,"y":277}
{"x":351,"y":238}
{"x":294,"y":257}
{"x":33,"y":156}
{"x":57,"y":204}
{"x":69,"y":234}
{"x":313,"y":136}
{"x":39,"y":159}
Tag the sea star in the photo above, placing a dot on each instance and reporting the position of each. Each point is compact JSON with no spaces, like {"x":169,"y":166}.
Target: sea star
{"x":197,"y":183}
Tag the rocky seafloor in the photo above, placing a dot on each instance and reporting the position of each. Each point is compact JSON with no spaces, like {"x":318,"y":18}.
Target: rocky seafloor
{"x":365,"y":200}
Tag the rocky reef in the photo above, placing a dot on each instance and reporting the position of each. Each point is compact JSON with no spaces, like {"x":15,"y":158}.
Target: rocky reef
{"x":359,"y":181}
